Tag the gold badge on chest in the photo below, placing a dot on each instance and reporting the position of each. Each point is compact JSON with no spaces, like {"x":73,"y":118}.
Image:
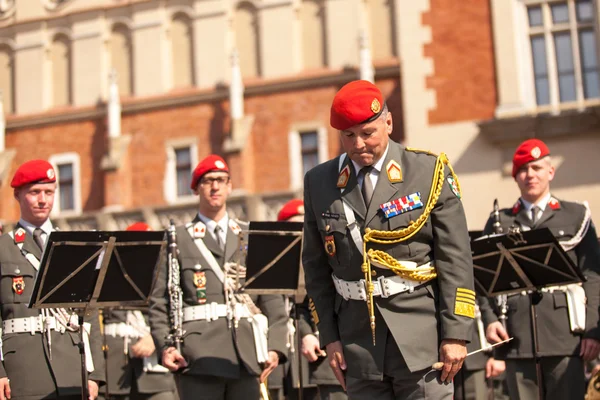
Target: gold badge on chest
{"x":18,"y":284}
{"x":330,"y":245}
{"x":200,"y":283}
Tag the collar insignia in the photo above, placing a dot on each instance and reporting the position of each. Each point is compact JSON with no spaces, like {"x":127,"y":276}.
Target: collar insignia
{"x":394,"y":172}
{"x":20,"y":235}
{"x":344,"y":177}
{"x":554,"y":204}
{"x":517,"y":207}
{"x":199,"y":230}
{"x":234,"y":227}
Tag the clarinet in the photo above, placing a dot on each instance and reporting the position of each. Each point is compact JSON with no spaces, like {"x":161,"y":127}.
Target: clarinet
{"x":501,"y":300}
{"x":175,"y":337}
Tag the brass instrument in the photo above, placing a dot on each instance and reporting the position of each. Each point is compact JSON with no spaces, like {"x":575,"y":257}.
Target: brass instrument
{"x":175,"y":337}
{"x":501,"y":300}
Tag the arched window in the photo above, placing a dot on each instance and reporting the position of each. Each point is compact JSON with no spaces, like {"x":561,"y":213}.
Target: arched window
{"x":7,"y":78}
{"x":382,"y":32}
{"x":120,"y":56}
{"x":182,"y":51}
{"x":60,"y":57}
{"x":245,"y":24}
{"x":314,"y":49}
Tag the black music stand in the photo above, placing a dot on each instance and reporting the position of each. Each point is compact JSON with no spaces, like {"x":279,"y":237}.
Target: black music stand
{"x":522,"y":261}
{"x":89,"y":270}
{"x":274,"y":266}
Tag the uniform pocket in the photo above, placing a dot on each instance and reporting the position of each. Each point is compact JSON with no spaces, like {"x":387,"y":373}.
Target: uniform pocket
{"x":15,"y":279}
{"x":335,"y":241}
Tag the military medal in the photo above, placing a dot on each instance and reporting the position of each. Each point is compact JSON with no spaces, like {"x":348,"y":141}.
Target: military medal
{"x":343,"y":177}
{"x":402,"y":205}
{"x":18,"y":284}
{"x":330,"y":245}
{"x":394,"y":172}
{"x":200,"y":283}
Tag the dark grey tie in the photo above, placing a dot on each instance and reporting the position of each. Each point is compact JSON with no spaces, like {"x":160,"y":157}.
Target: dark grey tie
{"x":367,"y":185}
{"x":534,"y":214}
{"x":37,"y":236}
{"x":218,"y":237}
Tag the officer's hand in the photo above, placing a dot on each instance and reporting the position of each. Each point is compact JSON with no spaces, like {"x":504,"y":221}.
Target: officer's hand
{"x":311,"y":349}
{"x":270,"y":365}
{"x":4,"y":388}
{"x":452,"y":353}
{"x":494,"y":368}
{"x":144,"y":347}
{"x":495,"y":332}
{"x":589,"y":349}
{"x":335,"y":353}
{"x":93,"y":387}
{"x":172,"y":359}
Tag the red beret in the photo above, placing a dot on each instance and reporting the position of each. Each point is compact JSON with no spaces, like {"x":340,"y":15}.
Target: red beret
{"x":34,"y":171}
{"x":355,"y":103}
{"x":138,"y":226}
{"x":291,"y":209}
{"x":212,"y":162}
{"x":529,"y":150}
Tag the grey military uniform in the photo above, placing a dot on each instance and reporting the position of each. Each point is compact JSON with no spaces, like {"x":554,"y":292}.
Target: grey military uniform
{"x":212,"y":349}
{"x":556,"y":341}
{"x":416,"y":321}
{"x":33,"y":375}
{"x":126,"y":372}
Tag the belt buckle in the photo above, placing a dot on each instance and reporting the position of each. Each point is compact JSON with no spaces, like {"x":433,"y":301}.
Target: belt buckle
{"x":383,"y":287}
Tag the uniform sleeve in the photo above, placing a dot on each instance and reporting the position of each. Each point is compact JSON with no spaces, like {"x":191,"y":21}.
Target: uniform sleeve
{"x":317,"y":272}
{"x":588,"y":260}
{"x":452,"y":252}
{"x":304,"y":318}
{"x":158,"y":314}
{"x":273,"y":307}
{"x":96,"y":342}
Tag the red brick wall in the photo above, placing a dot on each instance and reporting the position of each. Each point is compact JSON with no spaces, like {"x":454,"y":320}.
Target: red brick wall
{"x":463,"y":56}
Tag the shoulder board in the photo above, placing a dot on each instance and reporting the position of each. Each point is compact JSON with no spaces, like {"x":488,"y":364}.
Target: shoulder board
{"x":415,"y":150}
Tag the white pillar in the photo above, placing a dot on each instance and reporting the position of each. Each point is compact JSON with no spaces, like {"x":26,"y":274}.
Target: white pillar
{"x":367,"y":72}
{"x":236,"y":88}
{"x":2,"y":124}
{"x":114,"y":106}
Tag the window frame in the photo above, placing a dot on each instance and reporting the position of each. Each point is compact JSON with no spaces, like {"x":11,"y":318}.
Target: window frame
{"x":170,"y":183}
{"x":295,"y":150}
{"x":75,"y":161}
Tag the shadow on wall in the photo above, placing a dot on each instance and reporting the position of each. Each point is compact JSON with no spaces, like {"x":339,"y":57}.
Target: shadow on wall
{"x":217,"y":132}
{"x":98,"y":148}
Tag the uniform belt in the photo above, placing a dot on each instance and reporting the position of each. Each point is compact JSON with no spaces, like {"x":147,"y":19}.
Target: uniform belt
{"x":213,"y":311}
{"x":31,"y":325}
{"x":122,"y":330}
{"x":382,"y":286}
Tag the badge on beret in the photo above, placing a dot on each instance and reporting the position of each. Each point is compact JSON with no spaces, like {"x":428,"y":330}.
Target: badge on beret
{"x":465,"y":303}
{"x":200,"y":283}
{"x":554,"y":204}
{"x":18,"y":284}
{"x":219,"y":164}
{"x":453,"y":186}
{"x":50,"y":173}
{"x":330,"y":245}
{"x":20,"y":235}
{"x":199,"y":230}
{"x":536,"y":152}
{"x":394,"y":172}
{"x":343,"y":177}
{"x":375,"y":106}
{"x":234,"y":227}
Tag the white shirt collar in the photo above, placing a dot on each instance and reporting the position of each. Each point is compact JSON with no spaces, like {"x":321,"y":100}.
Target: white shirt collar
{"x":46,"y":227}
{"x":541,"y":204}
{"x":377,"y":166}
{"x":210,"y":224}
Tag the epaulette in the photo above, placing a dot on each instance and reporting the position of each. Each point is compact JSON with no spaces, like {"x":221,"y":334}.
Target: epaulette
{"x":415,"y":150}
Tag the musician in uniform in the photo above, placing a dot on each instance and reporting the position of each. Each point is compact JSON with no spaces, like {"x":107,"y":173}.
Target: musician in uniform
{"x":403,"y":206}
{"x":133,"y":372}
{"x":565,"y":341}
{"x":40,"y":354}
{"x":221,"y":357}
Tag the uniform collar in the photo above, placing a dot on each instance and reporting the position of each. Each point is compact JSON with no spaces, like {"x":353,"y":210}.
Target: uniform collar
{"x":211,"y":225}
{"x":46,"y":227}
{"x":377,"y":166}
{"x":541,"y":204}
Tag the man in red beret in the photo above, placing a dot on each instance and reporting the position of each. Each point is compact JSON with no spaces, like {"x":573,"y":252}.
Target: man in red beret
{"x":132,"y":365}
{"x":40,"y":360}
{"x":562,"y":345}
{"x":387,"y":258}
{"x":220,"y":357}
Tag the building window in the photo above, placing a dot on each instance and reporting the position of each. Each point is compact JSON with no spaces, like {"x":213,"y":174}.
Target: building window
{"x":183,"y":168}
{"x":67,"y":200}
{"x":563,"y":48}
{"x":308,"y":147}
{"x":182,"y":157}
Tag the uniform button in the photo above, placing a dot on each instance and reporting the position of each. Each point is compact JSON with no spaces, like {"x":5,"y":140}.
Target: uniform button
{"x":327,"y":228}
{"x":17,"y":271}
{"x":197,"y":266}
{"x":561,"y":232}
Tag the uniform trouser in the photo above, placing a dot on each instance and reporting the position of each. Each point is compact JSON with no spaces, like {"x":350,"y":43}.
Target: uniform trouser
{"x":563,"y":378}
{"x":205,"y":387}
{"x":321,"y":392}
{"x":398,"y":382}
{"x":470,"y":385}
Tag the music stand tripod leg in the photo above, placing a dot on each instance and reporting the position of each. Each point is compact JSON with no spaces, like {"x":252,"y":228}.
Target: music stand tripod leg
{"x":85,"y":389}
{"x":298,"y":350}
{"x":534,"y":298}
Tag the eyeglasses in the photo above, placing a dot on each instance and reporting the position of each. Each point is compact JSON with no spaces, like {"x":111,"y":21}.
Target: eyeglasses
{"x":221,"y":181}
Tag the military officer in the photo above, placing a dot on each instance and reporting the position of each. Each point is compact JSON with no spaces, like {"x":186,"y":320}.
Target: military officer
{"x":319,"y":382}
{"x":40,"y":355}
{"x":562,"y":346}
{"x":132,"y":364}
{"x":387,"y":258}
{"x":221,"y":357}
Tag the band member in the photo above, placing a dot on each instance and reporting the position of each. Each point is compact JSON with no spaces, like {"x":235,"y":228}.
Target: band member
{"x":387,"y":258}
{"x":132,"y":369}
{"x":40,"y":354}
{"x":568,"y":330}
{"x":225,"y":351}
